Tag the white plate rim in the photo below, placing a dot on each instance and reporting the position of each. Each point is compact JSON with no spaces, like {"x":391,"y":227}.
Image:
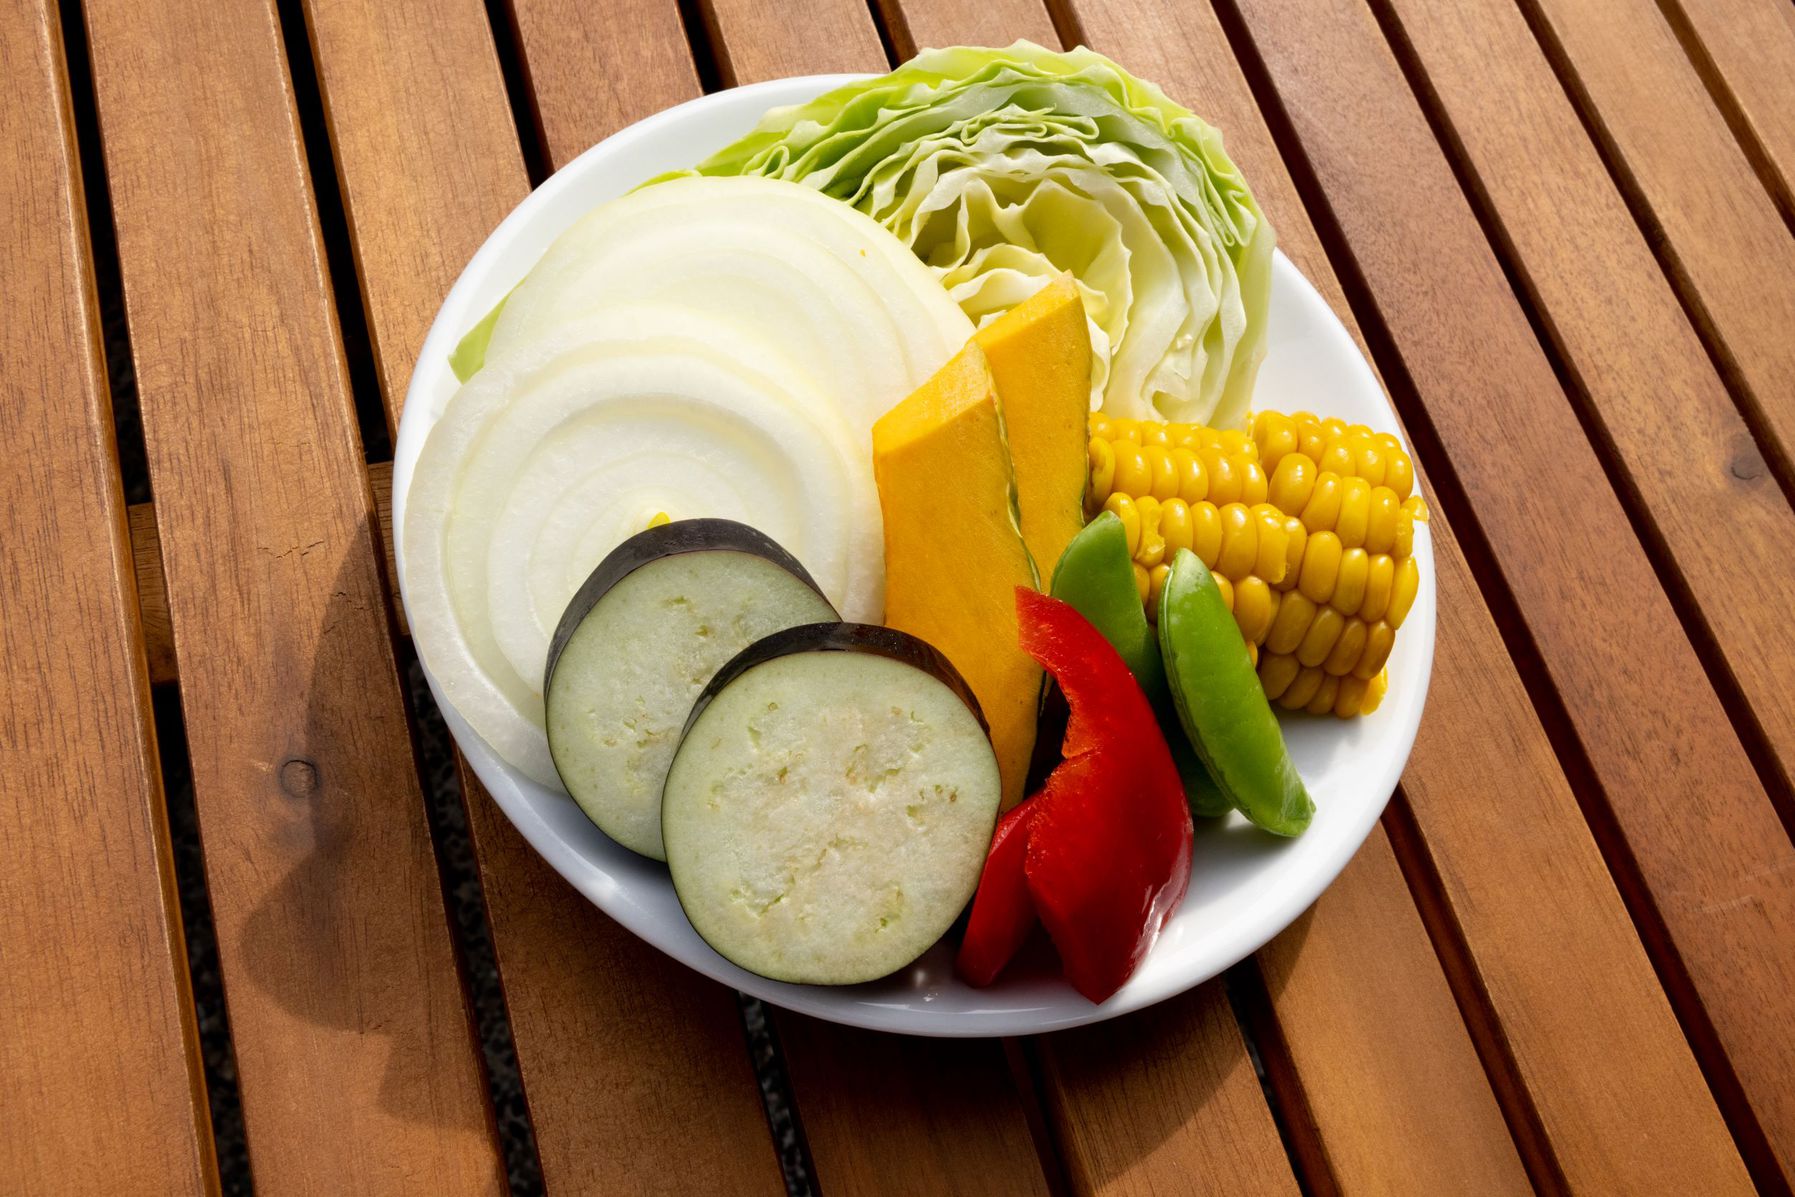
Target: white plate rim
{"x":492,"y":271}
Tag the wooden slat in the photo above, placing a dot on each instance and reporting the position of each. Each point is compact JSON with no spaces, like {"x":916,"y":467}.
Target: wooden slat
{"x":1397,"y":1104}
{"x":1163,"y":1101}
{"x":1746,"y":52}
{"x":860,"y":1120}
{"x":1689,"y":456}
{"x":1727,"y":247}
{"x":356,"y":1061}
{"x":893,"y":1114}
{"x":1467,"y":347}
{"x":591,"y":66}
{"x":756,"y":41}
{"x":103,"y":1088}
{"x":623,"y":1051}
{"x":915,"y":25}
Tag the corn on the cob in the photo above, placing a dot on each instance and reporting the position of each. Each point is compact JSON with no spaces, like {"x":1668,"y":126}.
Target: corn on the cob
{"x":1308,"y":525}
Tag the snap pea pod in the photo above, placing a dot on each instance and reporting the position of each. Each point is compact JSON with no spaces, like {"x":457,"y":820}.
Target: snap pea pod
{"x":1222,"y":705}
{"x":1096,"y":577}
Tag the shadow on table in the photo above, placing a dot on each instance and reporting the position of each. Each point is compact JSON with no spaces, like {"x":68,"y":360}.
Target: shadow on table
{"x":344,"y":942}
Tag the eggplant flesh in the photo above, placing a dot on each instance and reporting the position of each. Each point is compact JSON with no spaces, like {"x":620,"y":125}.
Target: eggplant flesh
{"x":827,"y":813}
{"x":637,"y":646}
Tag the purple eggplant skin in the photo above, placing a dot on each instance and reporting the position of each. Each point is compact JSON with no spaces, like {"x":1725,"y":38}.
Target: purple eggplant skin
{"x":666,"y":540}
{"x":841,"y":638}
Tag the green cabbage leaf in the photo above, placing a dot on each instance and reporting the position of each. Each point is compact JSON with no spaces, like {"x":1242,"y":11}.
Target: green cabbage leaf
{"x":1001,"y":168}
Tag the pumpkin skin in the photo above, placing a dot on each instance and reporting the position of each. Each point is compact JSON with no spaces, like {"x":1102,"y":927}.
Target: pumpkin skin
{"x":1040,"y":356}
{"x":954,"y":553}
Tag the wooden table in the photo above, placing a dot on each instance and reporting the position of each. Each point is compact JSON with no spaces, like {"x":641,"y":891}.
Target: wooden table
{"x":1565,"y":961}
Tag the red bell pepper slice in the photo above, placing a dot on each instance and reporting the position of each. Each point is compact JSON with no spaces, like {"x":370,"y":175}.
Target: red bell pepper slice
{"x":1101,"y":855}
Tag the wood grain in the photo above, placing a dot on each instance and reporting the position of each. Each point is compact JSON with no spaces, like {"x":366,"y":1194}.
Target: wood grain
{"x":1724,"y":242}
{"x":756,"y":41}
{"x":103,"y":1086}
{"x":623,"y":1051}
{"x":1745,"y":51}
{"x":893,"y":1114}
{"x":357,"y":1066}
{"x":1467,"y":347}
{"x":915,"y":24}
{"x":1724,"y":893}
{"x":1163,"y":1101}
{"x":588,"y":62}
{"x":1385,"y":1105}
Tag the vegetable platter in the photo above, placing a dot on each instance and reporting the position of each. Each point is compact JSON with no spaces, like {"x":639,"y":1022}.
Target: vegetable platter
{"x":912,"y":550}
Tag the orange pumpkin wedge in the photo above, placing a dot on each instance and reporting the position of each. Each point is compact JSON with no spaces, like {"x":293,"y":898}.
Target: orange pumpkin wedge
{"x":953,"y":551}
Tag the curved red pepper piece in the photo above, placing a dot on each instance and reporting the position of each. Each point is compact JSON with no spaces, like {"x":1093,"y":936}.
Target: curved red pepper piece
{"x":1104,"y":848}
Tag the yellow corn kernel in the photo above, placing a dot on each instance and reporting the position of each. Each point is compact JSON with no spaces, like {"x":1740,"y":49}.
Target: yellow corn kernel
{"x":1336,"y":458}
{"x":1369,"y":461}
{"x":1103,"y":469}
{"x":1379,"y":638}
{"x":1355,"y":512}
{"x":1324,"y":632}
{"x":1416,"y":507}
{"x":1224,"y":476}
{"x":1240,"y":542}
{"x":1295,"y":614}
{"x":1380,"y":523}
{"x":1277,"y":601}
{"x":1271,"y":561}
{"x":1276,"y":672}
{"x":1252,"y":654}
{"x":1206,"y":532}
{"x":1126,"y":511}
{"x":1334,"y":428}
{"x":1152,"y":548}
{"x":1193,"y":478}
{"x":1162,"y":477}
{"x":1322,"y":511}
{"x":1174,"y":525}
{"x":1402,"y":591}
{"x":1380,"y":576}
{"x":1374,"y":692}
{"x":1236,"y":443}
{"x":1311,"y":441}
{"x":1321,"y":567}
{"x":1155,"y":433}
{"x":1349,"y":698}
{"x":1326,"y":695}
{"x":1302,"y":689}
{"x":659,"y":519}
{"x":1126,"y":430}
{"x":1253,"y":486}
{"x":1292,"y":482}
{"x":1227,"y":588}
{"x":1399,"y":469}
{"x":1252,"y":608}
{"x":1347,"y":649}
{"x":1143,"y":583}
{"x":1349,"y":588}
{"x":1100,"y":426}
{"x":1296,"y":543}
{"x":1404,"y":544}
{"x":1133,"y":475}
{"x":1156,"y":582}
{"x":1275,"y":434}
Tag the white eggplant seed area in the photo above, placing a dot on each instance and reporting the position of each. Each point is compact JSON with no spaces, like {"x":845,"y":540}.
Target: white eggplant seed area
{"x":827,"y":816}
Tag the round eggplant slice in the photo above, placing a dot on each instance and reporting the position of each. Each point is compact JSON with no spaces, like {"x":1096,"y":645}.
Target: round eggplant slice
{"x":828,"y":811}
{"x":651,"y":625}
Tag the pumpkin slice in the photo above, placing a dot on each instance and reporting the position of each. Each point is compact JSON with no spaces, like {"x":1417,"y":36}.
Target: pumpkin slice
{"x":953,"y":551}
{"x":1040,"y":356}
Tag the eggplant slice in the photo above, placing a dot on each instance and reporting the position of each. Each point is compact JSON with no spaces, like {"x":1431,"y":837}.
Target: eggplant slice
{"x":636,"y":646}
{"x":827,"y":813}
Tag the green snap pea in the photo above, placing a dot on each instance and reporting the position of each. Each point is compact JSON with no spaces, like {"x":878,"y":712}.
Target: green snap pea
{"x":1223,"y":707}
{"x":1096,"y":577}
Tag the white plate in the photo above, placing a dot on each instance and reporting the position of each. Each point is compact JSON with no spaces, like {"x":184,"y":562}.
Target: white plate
{"x":1245,"y":886}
